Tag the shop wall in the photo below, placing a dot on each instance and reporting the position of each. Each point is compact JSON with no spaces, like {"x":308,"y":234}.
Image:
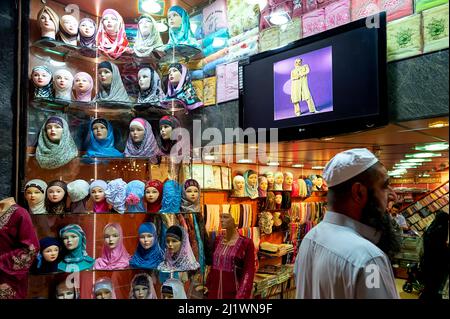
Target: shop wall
{"x":8,"y":25}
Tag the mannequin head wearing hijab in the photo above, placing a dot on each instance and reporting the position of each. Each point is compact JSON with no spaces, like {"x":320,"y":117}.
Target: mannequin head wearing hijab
{"x":104,"y":289}
{"x":288,"y":181}
{"x":174,"y":237}
{"x":97,"y":190}
{"x":54,"y":129}
{"x":62,"y":83}
{"x":35,"y":191}
{"x":111,"y":87}
{"x":105,"y":74}
{"x":239,"y":185}
{"x":49,"y":255}
{"x":142,"y":287}
{"x":65,"y":292}
{"x":166,"y":126}
{"x":56,"y":197}
{"x":153,"y":191}
{"x":150,"y":90}
{"x":270,"y":179}
{"x":48,"y":22}
{"x":192,"y":190}
{"x":173,"y":288}
{"x":83,"y":86}
{"x":100,"y":129}
{"x":147,"y":37}
{"x":175,"y":73}
{"x":87,"y":29}
{"x":41,"y":76}
{"x":68,"y":29}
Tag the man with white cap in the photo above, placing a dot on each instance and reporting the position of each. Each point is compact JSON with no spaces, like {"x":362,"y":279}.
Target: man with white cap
{"x":339,"y":258}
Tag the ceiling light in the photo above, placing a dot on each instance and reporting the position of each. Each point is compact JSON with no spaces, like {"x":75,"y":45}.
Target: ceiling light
{"x":273,"y":164}
{"x":405,"y":166}
{"x":415,"y":160}
{"x":396,"y":172}
{"x":151,"y":6}
{"x":438,"y":124}
{"x":425,"y":175}
{"x":209,"y":157}
{"x":432,"y":147}
{"x":318,"y":167}
{"x":327,"y":138}
{"x":161,"y":26}
{"x":245,"y":161}
{"x":255,"y":147}
{"x":423,"y":155}
{"x":397,"y":176}
{"x":279,"y":18}
{"x":298,"y":165}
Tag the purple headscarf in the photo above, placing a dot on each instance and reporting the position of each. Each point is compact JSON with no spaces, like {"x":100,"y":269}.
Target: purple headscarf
{"x":115,"y":258}
{"x":88,"y":42}
{"x":148,"y":147}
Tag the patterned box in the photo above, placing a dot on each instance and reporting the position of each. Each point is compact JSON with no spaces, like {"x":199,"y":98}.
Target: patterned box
{"x":421,"y":5}
{"x":227,"y":82}
{"x":269,"y":39}
{"x":435,"y":28}
{"x":198,"y":87}
{"x":364,"y":8}
{"x":396,"y":9}
{"x":309,"y":5}
{"x":209,"y":91}
{"x":290,"y":32}
{"x":215,"y":17}
{"x":404,"y":38}
{"x":313,"y":22}
{"x":337,"y":13}
{"x":241,"y":16}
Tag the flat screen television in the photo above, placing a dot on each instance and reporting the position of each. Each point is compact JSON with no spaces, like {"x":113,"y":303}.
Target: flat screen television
{"x":323,"y":85}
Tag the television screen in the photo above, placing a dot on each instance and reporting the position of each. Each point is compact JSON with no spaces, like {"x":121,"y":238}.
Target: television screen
{"x":327,"y":84}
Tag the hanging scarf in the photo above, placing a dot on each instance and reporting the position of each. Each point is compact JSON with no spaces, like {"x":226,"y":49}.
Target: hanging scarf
{"x":143,"y":279}
{"x":78,"y":191}
{"x":101,"y":284}
{"x":183,"y":260}
{"x":186,"y":205}
{"x":63,"y":93}
{"x":79,"y":255}
{"x":83,"y":96}
{"x":52,"y":14}
{"x":184,"y":91}
{"x":51,"y":155}
{"x":153,"y":93}
{"x":261,"y":192}
{"x":39,"y":208}
{"x":166,"y":145}
{"x":43,"y":266}
{"x":147,"y":258}
{"x":250,"y":191}
{"x":174,"y":287}
{"x":88,"y":42}
{"x":47,"y":90}
{"x":183,"y":34}
{"x":115,"y":258}
{"x":59,"y":207}
{"x":135,"y":191}
{"x":143,"y":47}
{"x":105,"y":147}
{"x":115,"y":194}
{"x":171,"y":200}
{"x":116,"y":91}
{"x":64,"y":34}
{"x":113,"y":48}
{"x":156,"y":206}
{"x":148,"y":147}
{"x":100,"y":207}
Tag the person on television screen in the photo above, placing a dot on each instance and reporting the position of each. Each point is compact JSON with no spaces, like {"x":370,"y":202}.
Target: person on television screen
{"x":299,"y":87}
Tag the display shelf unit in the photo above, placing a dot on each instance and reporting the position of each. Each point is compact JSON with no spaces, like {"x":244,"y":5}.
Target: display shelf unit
{"x":421,"y":213}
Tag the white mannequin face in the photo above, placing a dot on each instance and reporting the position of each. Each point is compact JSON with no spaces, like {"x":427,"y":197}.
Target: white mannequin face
{"x":47,"y":24}
{"x":192,"y":194}
{"x":166,"y":131}
{"x":144,"y":79}
{"x":70,"y":240}
{"x":103,"y":294}
{"x":111,"y":237}
{"x":278,"y":199}
{"x":100,"y":131}
{"x":174,"y":19}
{"x":288,"y":180}
{"x":54,"y":132}
{"x":279,"y":179}
{"x":98,"y":194}
{"x":174,"y":75}
{"x":240,"y":185}
{"x":55,"y":194}
{"x":137,"y":133}
{"x":270,"y":178}
{"x":33,"y":196}
{"x":82,"y":84}
{"x":252,"y":180}
{"x":173,"y":245}
{"x":62,"y":292}
{"x":263,"y":185}
{"x":111,"y":24}
{"x":105,"y":76}
{"x":50,"y":253}
{"x":87,"y":29}
{"x":146,"y":27}
{"x":151,"y":194}
{"x":70,"y":24}
{"x":146,"y":240}
{"x":62,"y":81}
{"x":41,"y":78}
{"x":140,"y":291}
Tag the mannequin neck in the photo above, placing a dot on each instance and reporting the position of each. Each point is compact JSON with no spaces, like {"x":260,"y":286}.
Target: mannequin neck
{"x":230,"y":235}
{"x":48,"y":34}
{"x":6,"y":203}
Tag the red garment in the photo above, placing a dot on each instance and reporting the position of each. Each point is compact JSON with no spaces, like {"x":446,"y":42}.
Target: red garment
{"x":232,"y":270}
{"x":19,"y":246}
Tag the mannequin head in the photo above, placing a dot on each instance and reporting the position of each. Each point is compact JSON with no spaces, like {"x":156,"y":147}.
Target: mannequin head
{"x":174,"y":19}
{"x":103,"y":293}
{"x":111,"y":237}
{"x":174,"y":236}
{"x":252,"y":178}
{"x":54,"y":130}
{"x":146,"y":240}
{"x":192,"y":190}
{"x":141,"y":287}
{"x":166,"y":131}
{"x":137,"y":130}
{"x":318,"y":182}
{"x":64,"y":292}
{"x":153,"y":190}
{"x":111,"y":24}
{"x":105,"y":73}
{"x":50,"y":254}
{"x":270,"y":178}
{"x":70,"y":240}
{"x":278,"y":198}
{"x":239,"y":183}
{"x":266,"y":222}
{"x":55,"y":194}
{"x":62,"y":80}
{"x":50,"y":248}
{"x":83,"y":85}
{"x":146,"y":26}
{"x":263,"y":183}
{"x":175,"y":73}
{"x":227,"y":221}
{"x":87,"y":28}
{"x":100,"y":129}
{"x":34,"y":196}
{"x":98,"y":194}
{"x":166,"y":126}
{"x":41,"y":76}
{"x":278,"y":178}
{"x":69,"y":24}
{"x":48,"y":21}
{"x":144,"y":77}
{"x":288,"y":178}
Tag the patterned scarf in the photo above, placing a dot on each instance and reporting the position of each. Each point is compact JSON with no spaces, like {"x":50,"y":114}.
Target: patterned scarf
{"x":154,"y":93}
{"x":116,"y":92}
{"x":105,"y":147}
{"x":115,"y":194}
{"x":186,"y":205}
{"x":47,"y":90}
{"x":147,"y":148}
{"x":113,"y":48}
{"x":143,"y":47}
{"x":147,"y":258}
{"x":171,"y":200}
{"x":115,"y":258}
{"x":135,"y":196}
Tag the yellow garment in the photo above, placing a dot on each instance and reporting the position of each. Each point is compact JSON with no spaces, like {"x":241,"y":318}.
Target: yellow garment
{"x":235,"y":211}
{"x":299,"y":86}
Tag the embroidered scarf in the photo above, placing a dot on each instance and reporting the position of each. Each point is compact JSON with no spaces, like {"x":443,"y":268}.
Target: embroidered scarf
{"x":47,"y":90}
{"x":153,"y":93}
{"x":112,"y":47}
{"x":147,"y":148}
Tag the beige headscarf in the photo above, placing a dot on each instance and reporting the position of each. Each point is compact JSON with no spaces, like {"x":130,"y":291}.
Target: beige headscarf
{"x":53,"y":15}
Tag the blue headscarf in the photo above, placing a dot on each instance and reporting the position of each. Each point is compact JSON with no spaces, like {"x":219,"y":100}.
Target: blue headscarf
{"x":147,"y":258}
{"x":171,"y":201}
{"x":183,"y":34}
{"x":43,"y":266}
{"x":102,"y":148}
{"x":77,"y":258}
{"x":135,"y":197}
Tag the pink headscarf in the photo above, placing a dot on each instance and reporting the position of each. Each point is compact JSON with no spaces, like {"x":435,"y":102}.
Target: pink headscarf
{"x":116,"y":258}
{"x":112,"y":47}
{"x":86,"y":96}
